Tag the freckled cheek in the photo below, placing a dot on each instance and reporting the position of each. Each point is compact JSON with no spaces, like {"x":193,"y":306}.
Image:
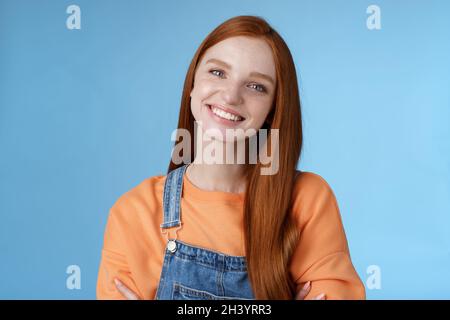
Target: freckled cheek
{"x":258,"y":110}
{"x":203,"y":89}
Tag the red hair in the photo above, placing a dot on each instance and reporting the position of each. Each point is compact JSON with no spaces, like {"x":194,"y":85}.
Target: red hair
{"x":271,"y":234}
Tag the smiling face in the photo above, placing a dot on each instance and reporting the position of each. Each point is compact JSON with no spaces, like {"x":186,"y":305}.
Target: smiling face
{"x":234,"y":85}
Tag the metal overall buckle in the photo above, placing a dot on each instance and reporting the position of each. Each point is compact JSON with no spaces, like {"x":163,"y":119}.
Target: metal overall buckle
{"x":171,"y":244}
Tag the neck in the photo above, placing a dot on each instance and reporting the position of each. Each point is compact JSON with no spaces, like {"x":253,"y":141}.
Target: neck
{"x":217,"y":177}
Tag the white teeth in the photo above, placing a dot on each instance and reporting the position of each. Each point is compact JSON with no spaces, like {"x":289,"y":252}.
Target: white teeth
{"x":225,"y":115}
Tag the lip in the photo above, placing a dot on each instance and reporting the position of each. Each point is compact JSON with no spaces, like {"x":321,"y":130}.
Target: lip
{"x":225,"y":109}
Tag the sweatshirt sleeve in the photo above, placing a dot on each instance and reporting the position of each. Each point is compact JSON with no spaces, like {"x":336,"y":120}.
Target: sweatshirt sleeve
{"x":322,"y":255}
{"x":113,"y":262}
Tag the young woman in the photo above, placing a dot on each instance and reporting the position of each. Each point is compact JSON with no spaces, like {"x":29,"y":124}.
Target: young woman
{"x":226,"y":231}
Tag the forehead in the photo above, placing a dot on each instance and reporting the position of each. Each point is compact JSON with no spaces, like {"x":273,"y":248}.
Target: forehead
{"x":244,"y":54}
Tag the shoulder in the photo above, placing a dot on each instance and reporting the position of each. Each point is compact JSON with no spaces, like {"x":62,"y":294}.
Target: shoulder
{"x":309,"y":185}
{"x":139,"y":200}
{"x":311,"y":193}
{"x":133,"y":215}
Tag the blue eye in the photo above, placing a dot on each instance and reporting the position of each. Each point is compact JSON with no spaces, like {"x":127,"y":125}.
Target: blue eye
{"x":258,"y":87}
{"x":215,"y":72}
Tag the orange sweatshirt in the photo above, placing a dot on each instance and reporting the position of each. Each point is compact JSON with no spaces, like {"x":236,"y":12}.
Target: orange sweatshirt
{"x":133,"y":248}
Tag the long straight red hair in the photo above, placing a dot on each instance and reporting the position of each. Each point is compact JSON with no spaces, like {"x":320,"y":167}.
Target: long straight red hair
{"x":271,"y":234}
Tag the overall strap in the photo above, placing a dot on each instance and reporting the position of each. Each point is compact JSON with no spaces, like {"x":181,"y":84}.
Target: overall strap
{"x":172,"y":195}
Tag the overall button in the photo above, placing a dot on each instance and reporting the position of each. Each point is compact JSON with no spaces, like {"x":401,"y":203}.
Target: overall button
{"x":172,"y":246}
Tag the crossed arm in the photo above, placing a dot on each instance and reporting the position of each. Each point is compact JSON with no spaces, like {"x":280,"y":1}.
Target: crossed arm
{"x":128,"y":294}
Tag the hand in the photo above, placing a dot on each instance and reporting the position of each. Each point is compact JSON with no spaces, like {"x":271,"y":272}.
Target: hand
{"x":125,"y":291}
{"x":304,"y":292}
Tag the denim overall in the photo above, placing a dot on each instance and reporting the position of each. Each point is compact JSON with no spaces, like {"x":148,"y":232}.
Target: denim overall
{"x":194,"y":273}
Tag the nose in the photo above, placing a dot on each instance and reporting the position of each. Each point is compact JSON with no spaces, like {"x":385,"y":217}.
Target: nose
{"x":231,"y":94}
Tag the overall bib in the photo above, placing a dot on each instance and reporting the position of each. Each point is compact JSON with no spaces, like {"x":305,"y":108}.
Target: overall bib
{"x":194,"y":273}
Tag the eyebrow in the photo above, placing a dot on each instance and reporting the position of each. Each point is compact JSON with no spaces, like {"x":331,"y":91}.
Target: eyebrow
{"x":252,"y":74}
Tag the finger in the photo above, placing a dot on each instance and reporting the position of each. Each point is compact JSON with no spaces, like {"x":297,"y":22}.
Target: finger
{"x":304,"y":291}
{"x":125,"y":291}
{"x":320,"y":297}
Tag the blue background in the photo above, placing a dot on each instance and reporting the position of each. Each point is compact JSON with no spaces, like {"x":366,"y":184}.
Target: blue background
{"x":86,"y":115}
